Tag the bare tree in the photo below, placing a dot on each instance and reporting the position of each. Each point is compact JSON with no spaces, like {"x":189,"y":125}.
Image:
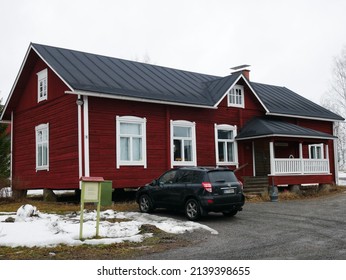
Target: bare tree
{"x":335,"y":100}
{"x":4,"y":153}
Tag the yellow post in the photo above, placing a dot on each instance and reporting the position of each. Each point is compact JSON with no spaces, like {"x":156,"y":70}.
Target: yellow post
{"x":91,"y":192}
{"x":98,"y":210}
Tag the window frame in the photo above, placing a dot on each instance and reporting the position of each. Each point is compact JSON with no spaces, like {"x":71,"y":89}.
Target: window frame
{"x":42,"y":127}
{"x":192,"y":138}
{"x":42,"y":76}
{"x":226,"y":127}
{"x":131,"y":120}
{"x":315,"y":147}
{"x":231,"y":92}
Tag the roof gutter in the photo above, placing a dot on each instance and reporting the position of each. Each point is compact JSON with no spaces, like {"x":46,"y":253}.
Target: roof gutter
{"x":122,"y":97}
{"x":286,"y":136}
{"x":303,"y":117}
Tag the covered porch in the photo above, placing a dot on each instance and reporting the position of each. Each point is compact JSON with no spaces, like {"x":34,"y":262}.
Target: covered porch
{"x":316,"y":162}
{"x":309,"y":165}
{"x":288,"y":154}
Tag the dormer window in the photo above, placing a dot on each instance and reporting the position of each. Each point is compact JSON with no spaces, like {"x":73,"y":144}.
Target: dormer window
{"x":42,"y":85}
{"x":236,"y":96}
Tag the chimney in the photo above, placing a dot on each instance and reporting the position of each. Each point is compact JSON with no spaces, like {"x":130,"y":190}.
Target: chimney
{"x":243,"y":69}
{"x":246,"y":73}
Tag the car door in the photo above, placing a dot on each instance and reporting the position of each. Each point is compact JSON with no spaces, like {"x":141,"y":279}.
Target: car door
{"x":161,"y":193}
{"x":177,"y":191}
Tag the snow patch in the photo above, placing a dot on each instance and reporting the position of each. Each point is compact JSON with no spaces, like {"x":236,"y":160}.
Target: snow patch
{"x":32,"y":228}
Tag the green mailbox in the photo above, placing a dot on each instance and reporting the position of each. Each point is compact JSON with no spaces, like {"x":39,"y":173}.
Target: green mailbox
{"x":106,"y":193}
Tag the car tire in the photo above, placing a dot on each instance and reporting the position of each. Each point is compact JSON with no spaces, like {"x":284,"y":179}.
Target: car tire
{"x":145,"y":204}
{"x":192,"y":210}
{"x":230,"y":213}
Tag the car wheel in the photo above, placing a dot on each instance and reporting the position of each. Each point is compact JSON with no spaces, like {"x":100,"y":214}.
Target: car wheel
{"x":230,"y":213}
{"x":145,"y":204}
{"x":192,"y":210}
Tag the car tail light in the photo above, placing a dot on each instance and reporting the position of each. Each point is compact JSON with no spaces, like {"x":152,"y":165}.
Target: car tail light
{"x":207,"y":186}
{"x":241,"y":185}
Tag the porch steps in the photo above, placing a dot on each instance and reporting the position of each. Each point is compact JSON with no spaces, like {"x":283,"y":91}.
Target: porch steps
{"x":255,"y":185}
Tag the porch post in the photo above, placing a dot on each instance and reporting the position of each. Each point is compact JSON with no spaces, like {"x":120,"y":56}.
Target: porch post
{"x":327,"y":157}
{"x":327,"y":151}
{"x":253,"y":159}
{"x":301,"y":157}
{"x":272,"y":157}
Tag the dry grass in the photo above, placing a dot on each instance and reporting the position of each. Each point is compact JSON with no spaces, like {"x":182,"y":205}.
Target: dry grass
{"x":160,"y":241}
{"x":306,"y":193}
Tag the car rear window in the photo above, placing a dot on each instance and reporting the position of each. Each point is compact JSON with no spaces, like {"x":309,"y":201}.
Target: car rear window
{"x":222,"y":176}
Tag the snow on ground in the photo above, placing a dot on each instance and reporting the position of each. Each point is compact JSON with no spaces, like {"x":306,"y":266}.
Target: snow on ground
{"x":32,"y":228}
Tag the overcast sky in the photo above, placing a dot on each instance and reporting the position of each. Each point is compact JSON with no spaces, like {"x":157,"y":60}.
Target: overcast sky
{"x":288,"y":43}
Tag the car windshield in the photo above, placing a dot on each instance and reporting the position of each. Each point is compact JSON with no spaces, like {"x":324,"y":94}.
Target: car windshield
{"x":222,"y":176}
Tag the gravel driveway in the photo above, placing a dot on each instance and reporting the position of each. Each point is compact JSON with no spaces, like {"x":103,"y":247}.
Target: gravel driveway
{"x":304,"y":229}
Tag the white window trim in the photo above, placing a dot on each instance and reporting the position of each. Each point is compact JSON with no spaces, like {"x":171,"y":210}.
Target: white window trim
{"x":42,"y":75}
{"x":38,"y":128}
{"x":235,"y":146}
{"x":191,"y":125}
{"x":315,"y":146}
{"x":242,"y":105}
{"x":134,"y":120}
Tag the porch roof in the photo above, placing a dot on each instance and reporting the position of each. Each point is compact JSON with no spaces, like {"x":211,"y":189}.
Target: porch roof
{"x":266,"y":127}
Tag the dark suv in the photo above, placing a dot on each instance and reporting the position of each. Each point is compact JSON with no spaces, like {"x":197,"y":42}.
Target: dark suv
{"x":196,"y":190}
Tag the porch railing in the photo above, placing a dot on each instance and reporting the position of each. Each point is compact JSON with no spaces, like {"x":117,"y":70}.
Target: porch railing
{"x":300,"y":166}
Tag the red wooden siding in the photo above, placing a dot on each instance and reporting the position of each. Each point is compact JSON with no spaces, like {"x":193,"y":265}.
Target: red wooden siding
{"x":102,"y":140}
{"x":60,"y":111}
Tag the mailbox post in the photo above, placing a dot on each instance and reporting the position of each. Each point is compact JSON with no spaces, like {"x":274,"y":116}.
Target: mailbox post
{"x":91,"y":192}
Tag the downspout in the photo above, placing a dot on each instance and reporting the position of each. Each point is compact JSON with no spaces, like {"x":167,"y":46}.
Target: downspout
{"x":86,"y":136}
{"x":80,"y":142}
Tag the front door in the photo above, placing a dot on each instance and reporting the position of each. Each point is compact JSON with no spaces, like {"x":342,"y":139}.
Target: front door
{"x":262,"y":158}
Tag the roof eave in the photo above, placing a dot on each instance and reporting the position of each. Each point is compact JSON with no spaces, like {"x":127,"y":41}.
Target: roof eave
{"x":303,"y":117}
{"x":137,"y":99}
{"x":15,"y":84}
{"x":286,"y":136}
{"x":31,"y":47}
{"x":51,"y":67}
{"x":249,"y":85}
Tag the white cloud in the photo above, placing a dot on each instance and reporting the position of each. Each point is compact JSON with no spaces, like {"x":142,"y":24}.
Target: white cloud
{"x":288,"y":43}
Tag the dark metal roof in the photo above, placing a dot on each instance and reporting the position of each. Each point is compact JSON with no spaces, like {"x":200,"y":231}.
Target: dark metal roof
{"x":119,"y":78}
{"x":265,"y":127}
{"x":282,"y":101}
{"x":107,"y":75}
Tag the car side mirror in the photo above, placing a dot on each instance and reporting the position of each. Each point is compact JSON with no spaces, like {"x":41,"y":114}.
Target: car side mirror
{"x":154,"y":182}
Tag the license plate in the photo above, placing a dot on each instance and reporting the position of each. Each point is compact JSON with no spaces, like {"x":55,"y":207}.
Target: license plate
{"x":228,"y":191}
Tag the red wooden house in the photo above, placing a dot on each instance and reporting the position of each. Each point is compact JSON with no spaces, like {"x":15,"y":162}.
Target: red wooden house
{"x":77,"y":114}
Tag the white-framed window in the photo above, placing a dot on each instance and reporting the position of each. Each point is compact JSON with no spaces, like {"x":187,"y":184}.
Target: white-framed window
{"x":225,"y":144}
{"x":42,"y":85}
{"x":316,"y":151}
{"x":42,"y":147}
{"x":236,"y":96}
{"x":183,"y":143}
{"x":131,"y":148}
